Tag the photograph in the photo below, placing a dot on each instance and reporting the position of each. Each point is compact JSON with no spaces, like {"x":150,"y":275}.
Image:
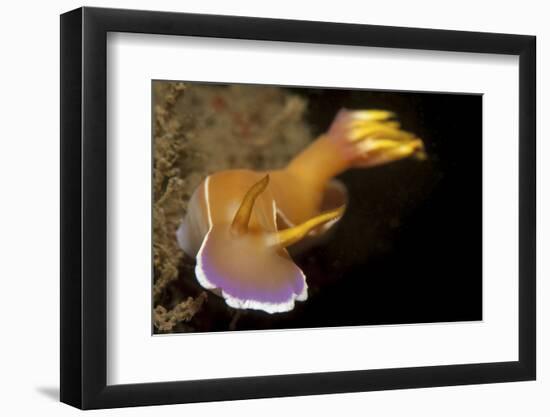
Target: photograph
{"x":299,"y":207}
{"x":264,"y":206}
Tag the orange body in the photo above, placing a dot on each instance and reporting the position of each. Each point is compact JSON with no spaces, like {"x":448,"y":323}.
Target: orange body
{"x":239,"y":222}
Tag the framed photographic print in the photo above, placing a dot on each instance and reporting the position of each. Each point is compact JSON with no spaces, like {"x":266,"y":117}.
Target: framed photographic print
{"x":259,"y":207}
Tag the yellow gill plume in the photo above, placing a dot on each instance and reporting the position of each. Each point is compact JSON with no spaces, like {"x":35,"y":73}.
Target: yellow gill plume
{"x":371,"y":115}
{"x":242,"y":217}
{"x":374,"y":131}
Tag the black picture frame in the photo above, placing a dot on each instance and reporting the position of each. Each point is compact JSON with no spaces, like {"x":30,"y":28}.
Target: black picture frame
{"x":84,"y":207}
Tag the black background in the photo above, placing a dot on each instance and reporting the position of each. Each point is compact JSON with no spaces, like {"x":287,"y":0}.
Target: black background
{"x":409,"y":248}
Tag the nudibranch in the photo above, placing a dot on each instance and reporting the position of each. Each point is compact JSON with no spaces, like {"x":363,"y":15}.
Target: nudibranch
{"x":241,"y":223}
